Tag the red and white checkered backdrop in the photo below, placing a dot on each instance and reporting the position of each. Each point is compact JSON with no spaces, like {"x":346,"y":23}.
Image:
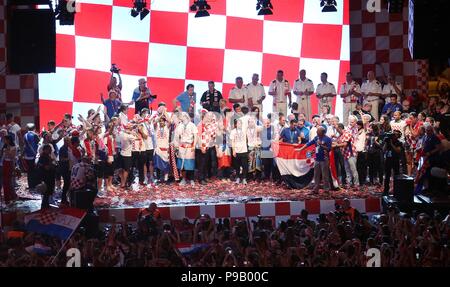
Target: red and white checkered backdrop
{"x":379,"y":41}
{"x":278,"y":211}
{"x":18,"y":93}
{"x":172,"y":48}
{"x":375,"y":38}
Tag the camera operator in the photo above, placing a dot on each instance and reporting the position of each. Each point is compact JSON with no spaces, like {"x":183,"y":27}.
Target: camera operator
{"x":393,"y":149}
{"x":150,"y":217}
{"x":113,"y":86}
{"x":142,"y":96}
{"x":83,"y":179}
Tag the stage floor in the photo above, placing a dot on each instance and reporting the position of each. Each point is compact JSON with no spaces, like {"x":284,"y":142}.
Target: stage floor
{"x":214,"y":192}
{"x":217,"y":198}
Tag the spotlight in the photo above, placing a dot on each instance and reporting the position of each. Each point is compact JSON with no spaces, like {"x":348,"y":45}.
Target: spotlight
{"x":328,"y":5}
{"x":201,"y":6}
{"x":65,"y":12}
{"x":264,"y":7}
{"x":139,"y":7}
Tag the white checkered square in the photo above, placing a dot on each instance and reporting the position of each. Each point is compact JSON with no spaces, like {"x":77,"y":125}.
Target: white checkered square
{"x":57,"y":86}
{"x":282,"y":38}
{"x":313,"y":13}
{"x":267,"y":209}
{"x":318,"y":66}
{"x":345,"y":45}
{"x":170,"y":5}
{"x":207,"y":32}
{"x":166,"y":61}
{"x":127,"y":28}
{"x":243,"y":9}
{"x":241,"y":63}
{"x":87,"y":58}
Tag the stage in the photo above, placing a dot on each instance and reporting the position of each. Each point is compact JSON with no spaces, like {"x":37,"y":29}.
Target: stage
{"x":217,"y":198}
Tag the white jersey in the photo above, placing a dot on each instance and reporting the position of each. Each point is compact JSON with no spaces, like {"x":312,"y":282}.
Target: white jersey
{"x":148,"y":130}
{"x":238,"y":94}
{"x":127,"y":141}
{"x":346,"y":87}
{"x":303,"y":86}
{"x":185,"y":134}
{"x":281,"y":89}
{"x":388,"y":89}
{"x":238,"y":140}
{"x":371,"y":87}
{"x":256,"y":93}
{"x":327,"y":88}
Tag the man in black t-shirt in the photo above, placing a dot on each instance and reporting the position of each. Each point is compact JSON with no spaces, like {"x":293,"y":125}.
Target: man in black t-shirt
{"x":211,"y":98}
{"x":393,"y":150}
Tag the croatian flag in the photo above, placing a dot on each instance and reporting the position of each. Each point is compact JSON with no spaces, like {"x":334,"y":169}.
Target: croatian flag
{"x":60,"y":223}
{"x":297,"y":167}
{"x":189,"y":248}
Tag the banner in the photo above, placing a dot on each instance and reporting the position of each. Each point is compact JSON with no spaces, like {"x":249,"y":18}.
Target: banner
{"x":297,"y":167}
{"x":60,"y":223}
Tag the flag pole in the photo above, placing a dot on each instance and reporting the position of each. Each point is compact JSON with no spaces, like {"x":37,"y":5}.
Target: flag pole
{"x":67,"y":240}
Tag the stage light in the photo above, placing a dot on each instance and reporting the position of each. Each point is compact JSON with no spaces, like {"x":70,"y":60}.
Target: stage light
{"x":264,"y":6}
{"x":139,"y":7}
{"x":65,"y":12}
{"x":328,"y":5}
{"x":202,"y":7}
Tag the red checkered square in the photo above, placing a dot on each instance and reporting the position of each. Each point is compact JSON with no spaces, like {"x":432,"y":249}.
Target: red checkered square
{"x":126,"y":3}
{"x":89,"y":84}
{"x":168,"y":28}
{"x":272,"y":63}
{"x":312,"y":206}
{"x":282,"y":208}
{"x":13,"y":96}
{"x":226,"y":90}
{"x":287,"y":11}
{"x":252,"y":209}
{"x":369,"y":43}
{"x":47,"y":217}
{"x":102,"y":27}
{"x":166,"y":89}
{"x":65,"y":50}
{"x":131,"y":55}
{"x":324,"y":41}
{"x":204,"y":64}
{"x":244,"y":34}
{"x":192,"y":212}
{"x":222,"y":210}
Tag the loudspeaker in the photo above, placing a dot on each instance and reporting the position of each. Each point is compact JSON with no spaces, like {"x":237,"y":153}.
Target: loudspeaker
{"x":31,"y":41}
{"x":83,"y":199}
{"x":428,"y":25}
{"x":404,"y":188}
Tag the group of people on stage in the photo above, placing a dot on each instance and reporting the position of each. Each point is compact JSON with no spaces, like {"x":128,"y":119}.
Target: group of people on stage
{"x":187,"y":143}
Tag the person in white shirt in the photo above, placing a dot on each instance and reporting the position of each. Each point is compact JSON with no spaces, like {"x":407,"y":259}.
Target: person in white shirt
{"x":325,"y":92}
{"x":239,"y":93}
{"x":280,"y":90}
{"x":397,"y":124}
{"x":254,"y":147}
{"x":391,"y":88}
{"x":350,"y":92}
{"x":303,"y":89}
{"x":123,"y":116}
{"x":127,"y":138}
{"x":184,"y":141}
{"x":255,"y":93}
{"x":371,"y":91}
{"x":147,"y":135}
{"x":315,"y":125}
{"x":240,"y":152}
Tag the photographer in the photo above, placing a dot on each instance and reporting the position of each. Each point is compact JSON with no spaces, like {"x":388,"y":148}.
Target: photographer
{"x":142,"y":96}
{"x":113,"y":86}
{"x":393,"y":149}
